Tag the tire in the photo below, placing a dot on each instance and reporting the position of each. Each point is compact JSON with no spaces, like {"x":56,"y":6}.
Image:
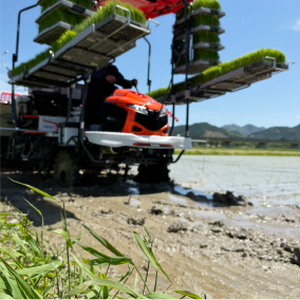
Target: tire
{"x":66,"y":169}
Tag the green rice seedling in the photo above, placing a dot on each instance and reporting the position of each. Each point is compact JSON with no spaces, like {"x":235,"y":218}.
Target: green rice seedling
{"x":158,"y":93}
{"x":57,"y":16}
{"x":65,"y":38}
{"x":205,"y":37}
{"x":109,"y":9}
{"x":200,"y":37}
{"x":84,"y":3}
{"x":99,"y":16}
{"x":213,"y":4}
{"x":32,"y":63}
{"x":237,"y":63}
{"x":226,"y":67}
{"x":210,"y":20}
{"x":201,"y":54}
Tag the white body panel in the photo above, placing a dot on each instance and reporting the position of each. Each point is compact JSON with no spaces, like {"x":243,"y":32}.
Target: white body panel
{"x":117,"y":139}
{"x":51,"y":124}
{"x":66,"y":134}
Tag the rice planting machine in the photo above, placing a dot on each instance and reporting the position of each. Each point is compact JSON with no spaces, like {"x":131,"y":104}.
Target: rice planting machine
{"x":48,"y":129}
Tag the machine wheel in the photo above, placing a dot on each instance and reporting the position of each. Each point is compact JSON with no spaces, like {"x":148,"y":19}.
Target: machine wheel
{"x":153,"y":174}
{"x":66,"y":169}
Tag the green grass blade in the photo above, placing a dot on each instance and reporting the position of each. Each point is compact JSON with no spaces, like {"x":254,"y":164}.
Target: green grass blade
{"x":35,"y":189}
{"x":104,"y":242}
{"x":189,"y":294}
{"x":109,"y":283}
{"x":41,"y":270}
{"x":5,"y":296}
{"x":34,"y":246}
{"x":105,"y":293}
{"x":108,"y":260}
{"x":2,"y":284}
{"x":61,"y":232}
{"x":11,"y":286}
{"x":144,"y":248}
{"x":102,"y":258}
{"x":147,"y":251}
{"x":43,"y":222}
{"x":20,"y":242}
{"x":24,"y":286}
{"x":158,"y":296}
{"x":84,"y":268}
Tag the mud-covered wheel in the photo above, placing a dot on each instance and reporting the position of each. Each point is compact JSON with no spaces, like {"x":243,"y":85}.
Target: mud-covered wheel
{"x":66,"y":169}
{"x":153,"y":174}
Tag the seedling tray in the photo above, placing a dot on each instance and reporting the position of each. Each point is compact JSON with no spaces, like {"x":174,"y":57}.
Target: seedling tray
{"x":94,"y":48}
{"x":181,"y":33}
{"x":41,"y":2}
{"x":51,"y":34}
{"x":196,"y":67}
{"x":114,"y":36}
{"x":203,"y":11}
{"x":210,"y":46}
{"x":67,"y":6}
{"x":230,"y":82}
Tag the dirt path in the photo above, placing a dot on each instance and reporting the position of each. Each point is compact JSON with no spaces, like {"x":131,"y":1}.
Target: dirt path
{"x":222,"y":251}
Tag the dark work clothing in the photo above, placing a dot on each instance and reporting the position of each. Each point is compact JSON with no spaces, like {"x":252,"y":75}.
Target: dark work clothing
{"x":99,"y":88}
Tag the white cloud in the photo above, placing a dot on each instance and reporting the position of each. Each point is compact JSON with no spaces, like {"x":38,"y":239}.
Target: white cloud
{"x":293,"y":25}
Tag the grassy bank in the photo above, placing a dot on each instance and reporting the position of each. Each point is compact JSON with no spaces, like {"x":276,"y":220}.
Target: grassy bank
{"x":241,"y":151}
{"x":33,"y":267}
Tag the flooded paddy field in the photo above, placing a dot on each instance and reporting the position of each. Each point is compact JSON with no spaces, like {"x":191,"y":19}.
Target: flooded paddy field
{"x":223,"y":246}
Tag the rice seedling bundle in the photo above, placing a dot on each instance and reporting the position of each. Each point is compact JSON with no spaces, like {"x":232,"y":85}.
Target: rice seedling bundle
{"x":209,"y":20}
{"x":213,"y":4}
{"x":84,"y":3}
{"x":223,"y":68}
{"x":57,"y":16}
{"x":201,"y":54}
{"x":201,"y":36}
{"x":205,"y":37}
{"x":237,"y":63}
{"x":32,"y":63}
{"x":109,"y":9}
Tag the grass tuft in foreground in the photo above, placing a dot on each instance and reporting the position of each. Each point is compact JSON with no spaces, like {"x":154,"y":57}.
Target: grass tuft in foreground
{"x":32,"y":268}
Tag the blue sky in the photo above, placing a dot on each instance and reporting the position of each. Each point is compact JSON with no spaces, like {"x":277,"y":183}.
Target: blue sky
{"x":250,"y":25}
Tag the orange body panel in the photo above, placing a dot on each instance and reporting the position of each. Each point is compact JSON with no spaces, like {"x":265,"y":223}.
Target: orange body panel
{"x":126,"y":99}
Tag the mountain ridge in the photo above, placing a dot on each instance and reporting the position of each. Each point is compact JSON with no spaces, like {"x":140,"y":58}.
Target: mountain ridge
{"x":234,"y":131}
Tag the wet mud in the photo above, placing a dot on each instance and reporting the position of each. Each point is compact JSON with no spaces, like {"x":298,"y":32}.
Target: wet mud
{"x":217,"y":243}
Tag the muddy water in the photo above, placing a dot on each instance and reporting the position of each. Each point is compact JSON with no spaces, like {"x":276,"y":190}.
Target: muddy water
{"x":261,"y":178}
{"x":250,"y":251}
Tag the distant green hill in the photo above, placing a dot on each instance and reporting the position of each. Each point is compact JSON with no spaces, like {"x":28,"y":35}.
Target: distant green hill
{"x":244,"y":130}
{"x":273,"y":133}
{"x":205,"y":129}
{"x":278,"y":133}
